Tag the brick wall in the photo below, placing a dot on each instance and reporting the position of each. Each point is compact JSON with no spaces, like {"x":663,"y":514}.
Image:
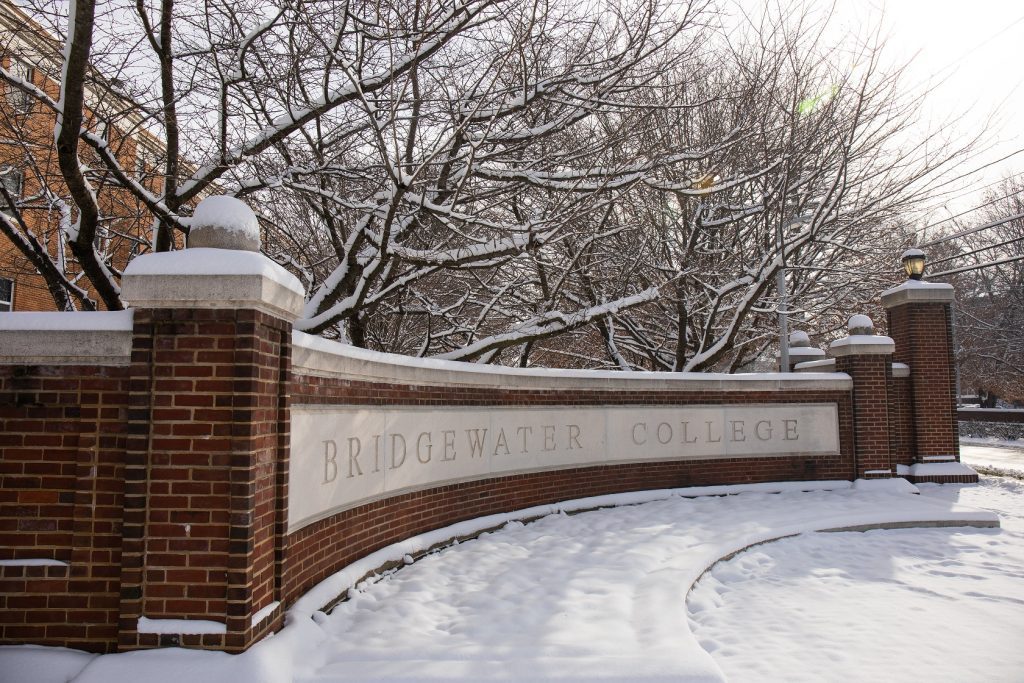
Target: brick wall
{"x":901,"y":422}
{"x":872,"y":375}
{"x":160,"y":485}
{"x":62,"y":444}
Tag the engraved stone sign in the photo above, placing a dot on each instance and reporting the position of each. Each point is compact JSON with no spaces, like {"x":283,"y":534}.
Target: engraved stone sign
{"x":342,"y":456}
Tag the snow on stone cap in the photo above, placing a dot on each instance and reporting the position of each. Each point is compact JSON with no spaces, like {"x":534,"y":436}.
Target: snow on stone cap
{"x":222,"y":222}
{"x":860,"y":324}
{"x":203,"y":261}
{"x":79,"y":321}
{"x":913,"y":251}
{"x":799,"y":339}
{"x":920,"y":284}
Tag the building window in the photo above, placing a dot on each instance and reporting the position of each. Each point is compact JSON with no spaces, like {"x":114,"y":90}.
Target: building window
{"x":102,"y":240}
{"x":11,"y":178}
{"x":6,"y":295}
{"x":140,"y":161}
{"x":20,"y":100}
{"x":103,"y":129}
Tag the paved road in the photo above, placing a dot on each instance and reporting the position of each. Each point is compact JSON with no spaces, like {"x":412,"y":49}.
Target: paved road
{"x":1001,"y":455}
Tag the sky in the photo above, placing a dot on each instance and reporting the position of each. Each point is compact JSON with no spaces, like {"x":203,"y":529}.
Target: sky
{"x":971,"y":53}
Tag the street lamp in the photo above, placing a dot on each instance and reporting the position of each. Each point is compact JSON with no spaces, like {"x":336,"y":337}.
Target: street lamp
{"x":913,"y":263}
{"x":780,"y":285}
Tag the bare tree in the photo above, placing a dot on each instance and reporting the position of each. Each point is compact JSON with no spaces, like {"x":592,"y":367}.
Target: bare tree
{"x":513,"y":181}
{"x":40,"y":218}
{"x":989,"y":250}
{"x":445,"y":216}
{"x":823,"y":167}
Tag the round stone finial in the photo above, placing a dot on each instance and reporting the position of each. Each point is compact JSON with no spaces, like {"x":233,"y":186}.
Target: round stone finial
{"x":222,"y":222}
{"x":860,"y":324}
{"x":798,"y":339}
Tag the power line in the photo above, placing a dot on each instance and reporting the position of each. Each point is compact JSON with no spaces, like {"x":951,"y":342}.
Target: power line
{"x":977,"y":46}
{"x":972,"y":190}
{"x":978,"y":250}
{"x":984,"y":42}
{"x":982,"y":167}
{"x":963,"y":194}
{"x":971,"y":231}
{"x":978,"y":266}
{"x":971,"y":210}
{"x":969,"y":173}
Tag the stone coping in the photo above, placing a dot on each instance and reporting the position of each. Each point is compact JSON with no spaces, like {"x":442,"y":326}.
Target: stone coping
{"x":862,"y":345}
{"x":807,"y":352}
{"x":823,"y":365}
{"x":212,"y":278}
{"x":105,"y":338}
{"x":917,"y":291}
{"x":898,"y":369}
{"x":81,"y":338}
{"x":324,"y":358}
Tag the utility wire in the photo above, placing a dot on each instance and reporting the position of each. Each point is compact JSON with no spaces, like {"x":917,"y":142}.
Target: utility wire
{"x":970,"y":173}
{"x":971,"y":210}
{"x":971,"y":231}
{"x":978,"y":266}
{"x":972,"y":190}
{"x":946,"y":200}
{"x":978,"y":250}
{"x":982,"y":167}
{"x":977,"y":46}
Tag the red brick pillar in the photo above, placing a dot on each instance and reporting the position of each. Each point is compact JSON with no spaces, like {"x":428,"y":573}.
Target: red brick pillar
{"x":204,"y":521}
{"x":867,"y":359}
{"x":921,"y":324}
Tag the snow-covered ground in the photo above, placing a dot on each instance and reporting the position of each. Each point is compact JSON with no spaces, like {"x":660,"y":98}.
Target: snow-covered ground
{"x":897,"y":605}
{"x":601,"y":595}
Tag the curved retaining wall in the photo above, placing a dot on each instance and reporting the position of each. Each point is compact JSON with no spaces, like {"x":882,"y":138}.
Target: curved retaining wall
{"x":180,"y":472}
{"x":326,"y":374}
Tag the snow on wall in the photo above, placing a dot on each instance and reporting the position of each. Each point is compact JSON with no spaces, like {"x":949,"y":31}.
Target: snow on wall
{"x":207,"y":261}
{"x":90,"y":321}
{"x":345,"y":359}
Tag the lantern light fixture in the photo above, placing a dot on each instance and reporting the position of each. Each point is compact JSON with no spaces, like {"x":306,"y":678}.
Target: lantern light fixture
{"x":913,"y":263}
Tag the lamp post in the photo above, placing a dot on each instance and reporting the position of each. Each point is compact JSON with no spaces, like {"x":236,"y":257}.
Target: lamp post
{"x":913,"y":261}
{"x":780,"y":287}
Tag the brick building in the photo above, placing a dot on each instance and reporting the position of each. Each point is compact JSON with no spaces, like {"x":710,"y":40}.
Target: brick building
{"x":39,"y":203}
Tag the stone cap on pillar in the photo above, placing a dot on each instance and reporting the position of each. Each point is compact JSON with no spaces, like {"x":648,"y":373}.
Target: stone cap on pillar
{"x":918,"y":291}
{"x":861,"y":340}
{"x":222,"y":268}
{"x":800,"y":349}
